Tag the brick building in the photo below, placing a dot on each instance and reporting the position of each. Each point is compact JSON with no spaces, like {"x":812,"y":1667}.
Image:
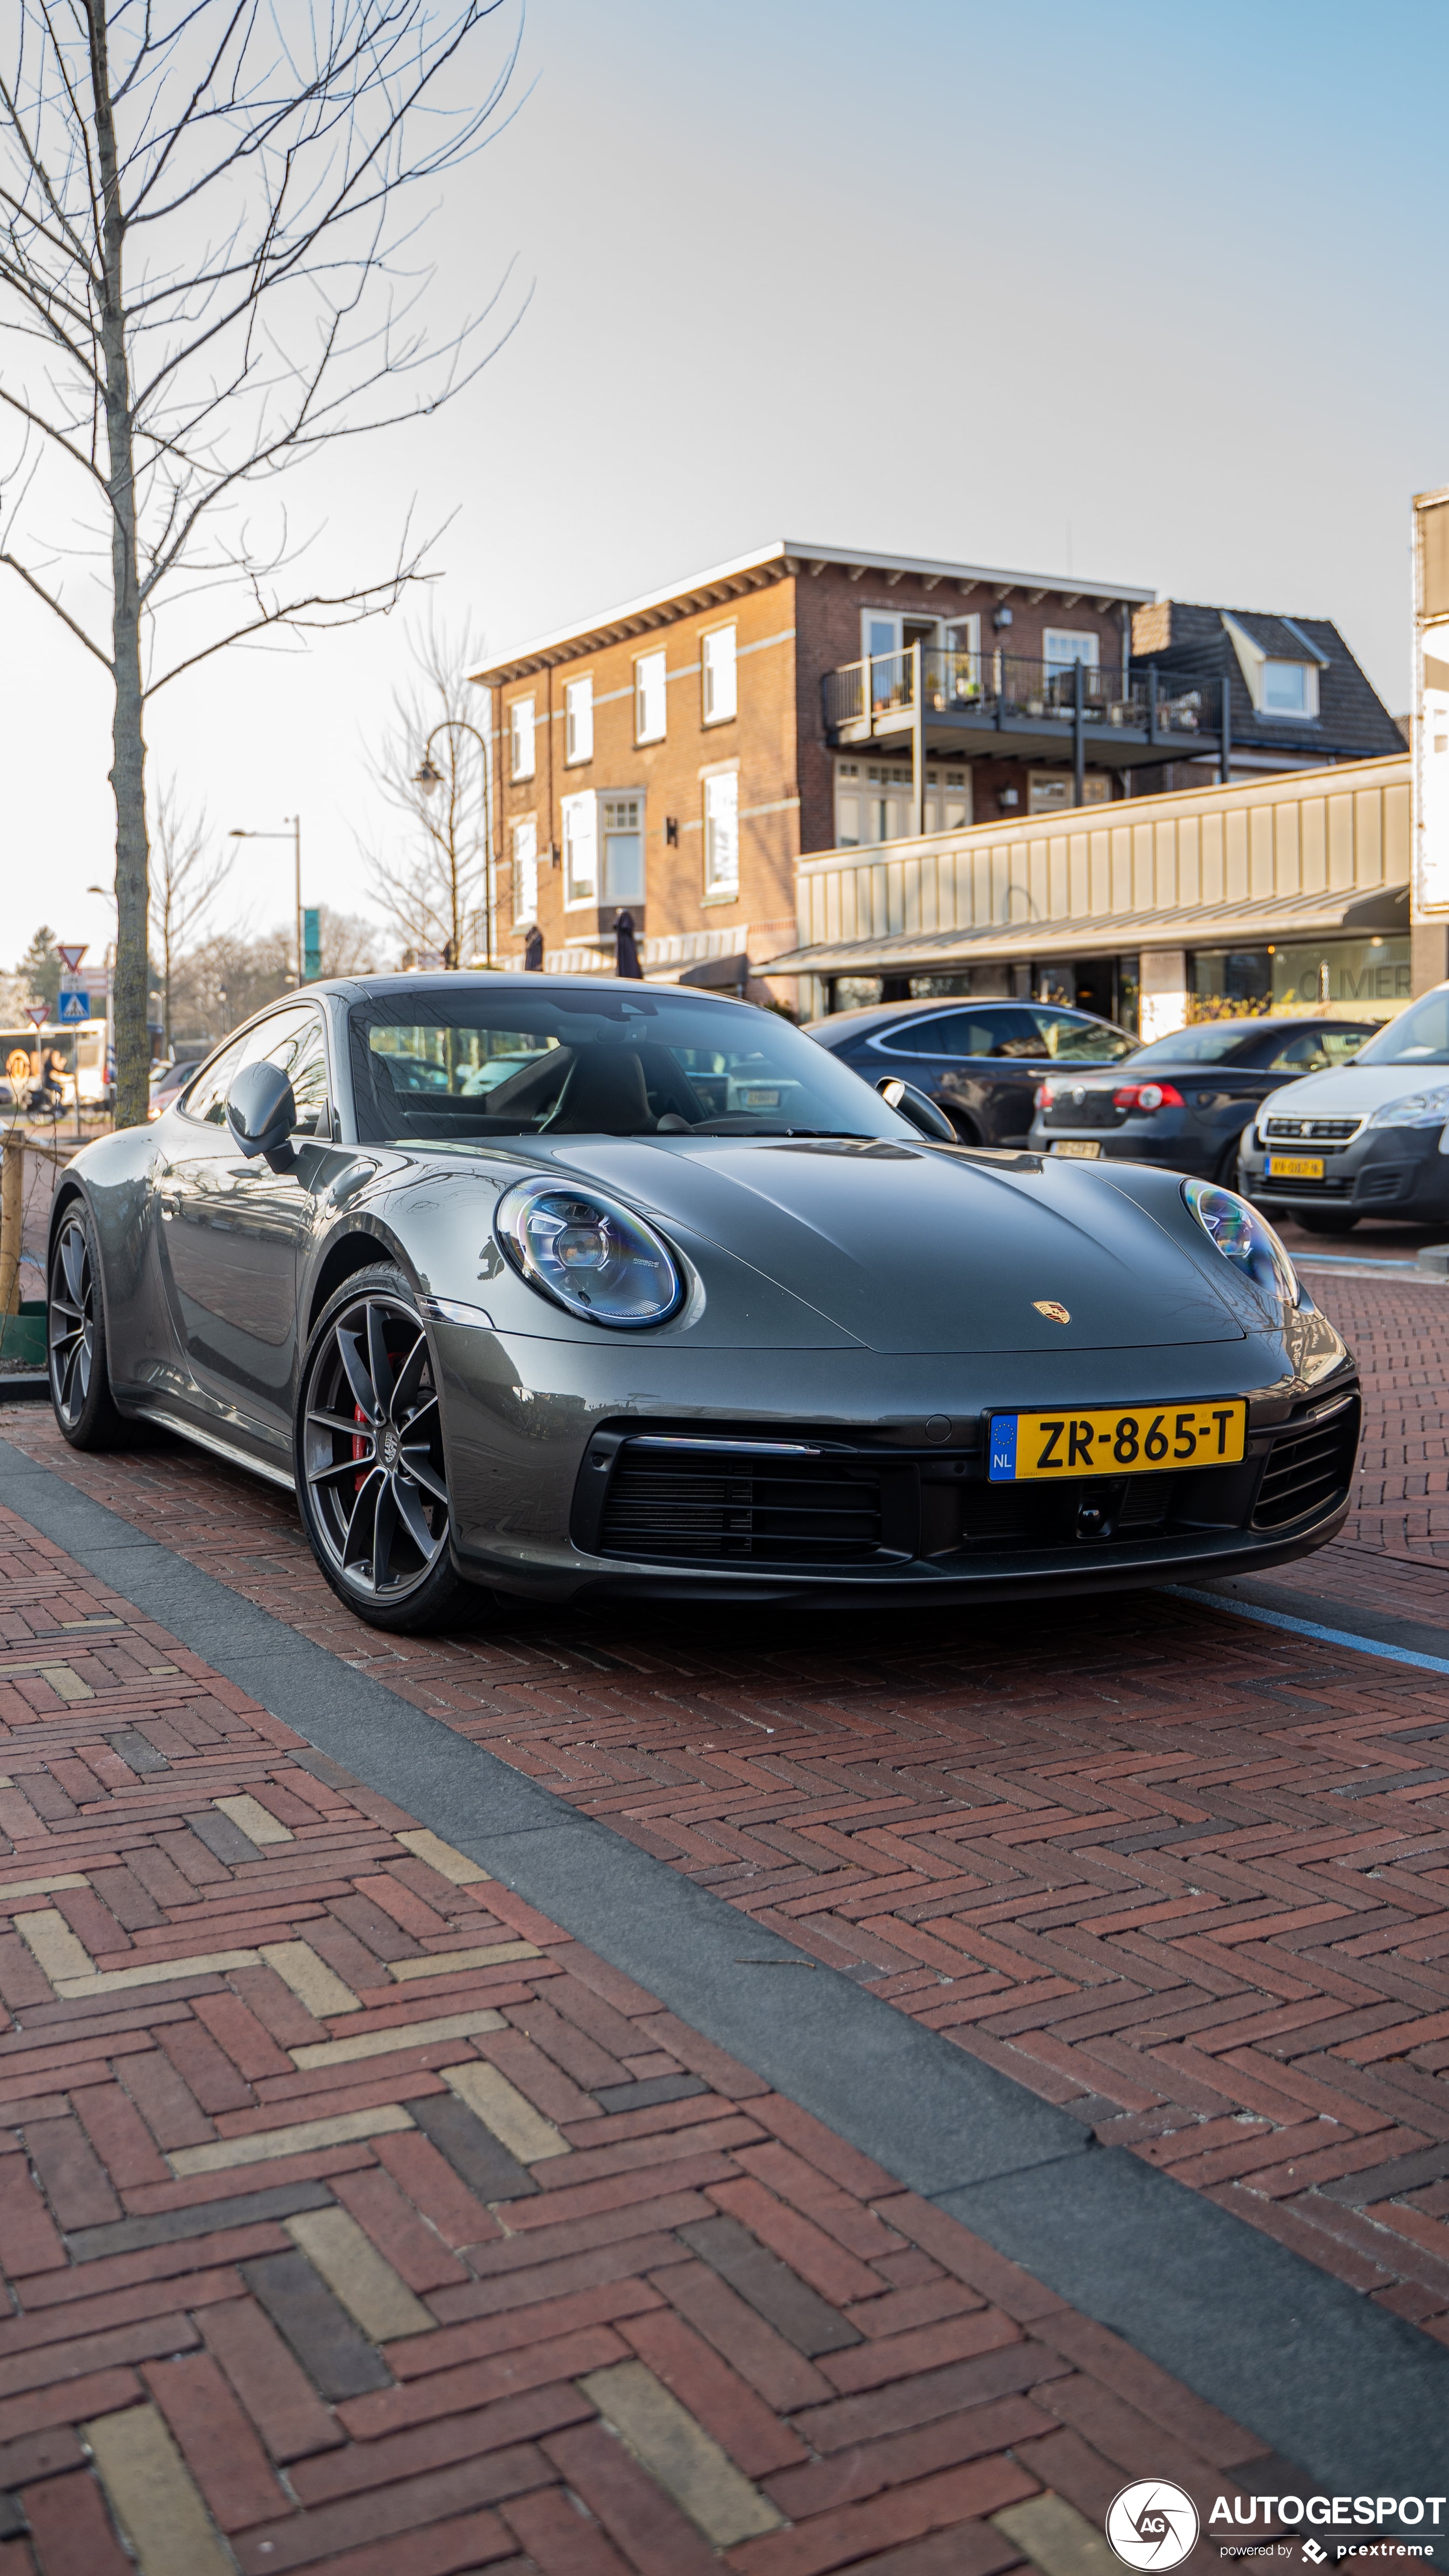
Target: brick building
{"x":676,"y":755}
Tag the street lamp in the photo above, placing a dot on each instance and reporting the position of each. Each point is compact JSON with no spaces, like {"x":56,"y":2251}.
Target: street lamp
{"x":295,"y":837}
{"x":430,"y":779}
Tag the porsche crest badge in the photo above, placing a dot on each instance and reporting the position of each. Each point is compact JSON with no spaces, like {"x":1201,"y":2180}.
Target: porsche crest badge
{"x":1054,"y":1313}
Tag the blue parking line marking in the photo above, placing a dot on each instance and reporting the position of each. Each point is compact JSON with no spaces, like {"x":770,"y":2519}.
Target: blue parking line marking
{"x":1310,"y":1628}
{"x":1003,"y":1449}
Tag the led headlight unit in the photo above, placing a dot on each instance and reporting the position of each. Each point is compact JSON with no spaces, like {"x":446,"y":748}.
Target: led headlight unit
{"x":1244,"y":1237}
{"x":589,"y":1253}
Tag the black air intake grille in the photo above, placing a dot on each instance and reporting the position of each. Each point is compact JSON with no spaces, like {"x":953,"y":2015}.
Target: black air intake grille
{"x":1308,"y":1469}
{"x":1041,"y":1515}
{"x":791,"y":1512}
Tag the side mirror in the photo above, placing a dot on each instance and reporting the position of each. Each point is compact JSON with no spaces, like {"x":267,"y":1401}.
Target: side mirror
{"x":914,"y":1105}
{"x":261,"y":1114}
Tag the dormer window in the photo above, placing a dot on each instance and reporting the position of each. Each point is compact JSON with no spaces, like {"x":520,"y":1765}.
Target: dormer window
{"x":1289,"y":689}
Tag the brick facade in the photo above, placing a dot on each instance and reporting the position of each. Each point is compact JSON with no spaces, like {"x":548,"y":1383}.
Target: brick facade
{"x":796,"y":615}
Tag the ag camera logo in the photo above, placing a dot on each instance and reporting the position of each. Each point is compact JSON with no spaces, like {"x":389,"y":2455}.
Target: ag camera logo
{"x":1152,"y":2524}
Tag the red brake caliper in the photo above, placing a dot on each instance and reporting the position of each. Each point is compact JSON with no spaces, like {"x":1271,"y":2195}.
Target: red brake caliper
{"x":359,"y":1449}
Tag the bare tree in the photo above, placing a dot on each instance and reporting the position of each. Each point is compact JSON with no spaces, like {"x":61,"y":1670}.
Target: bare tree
{"x":185,"y":881}
{"x":434,"y":887}
{"x":206,"y":213}
{"x":233,"y":972}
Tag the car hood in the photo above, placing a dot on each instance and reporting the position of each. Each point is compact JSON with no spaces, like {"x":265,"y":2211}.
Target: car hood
{"x":919,"y":1249}
{"x":1353,"y":1090}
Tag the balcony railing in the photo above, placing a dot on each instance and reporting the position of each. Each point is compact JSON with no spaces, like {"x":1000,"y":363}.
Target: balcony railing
{"x":998,"y":688}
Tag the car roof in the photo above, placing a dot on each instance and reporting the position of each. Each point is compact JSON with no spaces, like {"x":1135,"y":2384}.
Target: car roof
{"x":936,"y":1002}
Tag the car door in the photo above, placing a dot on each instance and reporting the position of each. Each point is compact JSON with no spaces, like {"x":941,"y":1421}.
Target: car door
{"x":231,"y":1230}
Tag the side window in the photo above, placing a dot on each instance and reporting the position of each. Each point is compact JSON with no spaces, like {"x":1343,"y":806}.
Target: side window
{"x":1078,"y":1041}
{"x":279,"y":1038}
{"x":949,"y":1033}
{"x":1314,"y":1050}
{"x":302,"y":1055}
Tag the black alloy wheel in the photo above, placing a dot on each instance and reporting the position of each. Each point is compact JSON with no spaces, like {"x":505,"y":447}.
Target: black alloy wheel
{"x":80,"y":1385}
{"x":371,"y":1476}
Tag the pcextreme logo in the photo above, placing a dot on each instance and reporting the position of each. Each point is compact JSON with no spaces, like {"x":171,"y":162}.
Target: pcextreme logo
{"x":1152,"y":2524}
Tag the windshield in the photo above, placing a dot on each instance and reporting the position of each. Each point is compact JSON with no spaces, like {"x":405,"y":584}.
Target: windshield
{"x":1420,"y":1035}
{"x":481,"y":1057}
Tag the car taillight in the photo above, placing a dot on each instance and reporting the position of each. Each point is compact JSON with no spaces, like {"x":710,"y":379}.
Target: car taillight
{"x":1148,"y":1096}
{"x":1044,"y":1095}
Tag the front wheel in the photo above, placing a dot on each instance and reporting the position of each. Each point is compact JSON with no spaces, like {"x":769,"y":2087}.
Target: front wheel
{"x":371,"y":1476}
{"x":75,"y":1328}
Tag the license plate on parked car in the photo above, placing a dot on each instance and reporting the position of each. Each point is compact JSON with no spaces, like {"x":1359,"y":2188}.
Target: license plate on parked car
{"x":1077,"y":1147}
{"x":1143,"y":1440}
{"x":1295,"y":1167}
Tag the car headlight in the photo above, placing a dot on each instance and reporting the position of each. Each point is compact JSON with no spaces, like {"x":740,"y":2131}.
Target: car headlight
{"x":1243,"y":1236}
{"x":1416,"y":1109}
{"x":588,"y":1253}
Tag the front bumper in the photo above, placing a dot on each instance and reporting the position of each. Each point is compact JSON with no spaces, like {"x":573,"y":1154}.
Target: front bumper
{"x":852,"y":1478}
{"x":1382,"y":1171}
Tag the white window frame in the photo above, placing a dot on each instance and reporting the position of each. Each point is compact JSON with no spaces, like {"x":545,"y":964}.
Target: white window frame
{"x":721,"y":786}
{"x":645,"y":728}
{"x":1081,"y":647}
{"x":578,"y":721}
{"x":579,"y":818}
{"x":1292,"y":715}
{"x":870,"y":617}
{"x":522,"y":737}
{"x":525,"y":871}
{"x":719,"y":675}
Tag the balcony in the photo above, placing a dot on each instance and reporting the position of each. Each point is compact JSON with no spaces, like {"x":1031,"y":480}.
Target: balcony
{"x":997,"y":705}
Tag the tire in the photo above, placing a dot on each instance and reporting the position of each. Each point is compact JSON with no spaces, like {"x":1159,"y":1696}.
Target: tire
{"x":1325,"y":1220}
{"x":75,"y":1321}
{"x":366,"y":1491}
{"x":1227,"y":1174}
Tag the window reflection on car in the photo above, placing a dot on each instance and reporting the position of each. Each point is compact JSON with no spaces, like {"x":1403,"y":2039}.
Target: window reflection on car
{"x":1033,"y":1032}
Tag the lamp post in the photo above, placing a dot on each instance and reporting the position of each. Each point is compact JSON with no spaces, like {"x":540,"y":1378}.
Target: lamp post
{"x":295,"y":837}
{"x":430,"y":779}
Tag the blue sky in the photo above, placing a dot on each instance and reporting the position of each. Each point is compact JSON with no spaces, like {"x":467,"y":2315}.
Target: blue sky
{"x":1144,"y":294}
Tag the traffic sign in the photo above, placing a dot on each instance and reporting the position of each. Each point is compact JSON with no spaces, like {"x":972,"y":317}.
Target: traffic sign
{"x":73,"y":1004}
{"x":37,"y":1013}
{"x":70,"y":958}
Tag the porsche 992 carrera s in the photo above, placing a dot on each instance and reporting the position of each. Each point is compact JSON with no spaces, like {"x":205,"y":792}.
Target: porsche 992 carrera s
{"x":566,"y":1288}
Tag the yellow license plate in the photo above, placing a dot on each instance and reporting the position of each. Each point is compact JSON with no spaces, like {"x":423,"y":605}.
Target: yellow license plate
{"x":1122,"y":1440}
{"x":1077,"y":1148}
{"x":1295,"y":1167}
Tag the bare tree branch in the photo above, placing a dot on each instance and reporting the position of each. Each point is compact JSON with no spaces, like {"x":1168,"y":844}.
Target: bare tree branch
{"x":208,"y":216}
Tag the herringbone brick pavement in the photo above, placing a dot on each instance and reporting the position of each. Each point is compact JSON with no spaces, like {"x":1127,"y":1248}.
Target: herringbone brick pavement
{"x":1186,"y":1876}
{"x":355,"y":2218}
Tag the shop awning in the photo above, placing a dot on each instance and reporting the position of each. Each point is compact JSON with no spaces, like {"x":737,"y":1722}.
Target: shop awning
{"x":1347,"y":912}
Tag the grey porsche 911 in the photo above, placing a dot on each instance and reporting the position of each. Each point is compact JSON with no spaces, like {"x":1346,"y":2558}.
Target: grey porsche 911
{"x":565,"y":1287}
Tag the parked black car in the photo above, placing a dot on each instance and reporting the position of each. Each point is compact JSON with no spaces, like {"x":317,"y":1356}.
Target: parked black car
{"x":1184,"y":1101}
{"x":981,"y":1062}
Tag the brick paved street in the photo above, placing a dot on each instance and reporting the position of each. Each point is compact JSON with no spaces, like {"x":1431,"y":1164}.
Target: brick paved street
{"x":1177,"y":1872}
{"x":357,"y":2218}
